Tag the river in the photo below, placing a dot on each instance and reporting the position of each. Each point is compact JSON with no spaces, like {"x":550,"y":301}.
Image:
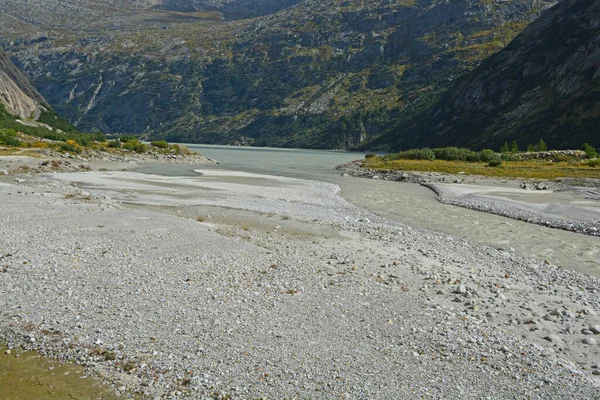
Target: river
{"x":408,"y":203}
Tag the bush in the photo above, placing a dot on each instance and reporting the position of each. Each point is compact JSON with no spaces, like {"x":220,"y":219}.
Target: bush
{"x":594,"y":163}
{"x":495,"y":163}
{"x":135,"y":145}
{"x":114,"y":144}
{"x":127,"y":138}
{"x":9,"y":137}
{"x":455,"y":154}
{"x":160,"y":144}
{"x":489,"y":156}
{"x":370,"y":155}
{"x":417,"y":154}
{"x":590,"y":152}
{"x":70,"y":147}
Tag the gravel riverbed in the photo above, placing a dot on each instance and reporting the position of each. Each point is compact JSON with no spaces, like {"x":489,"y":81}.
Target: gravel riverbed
{"x":280,"y":290}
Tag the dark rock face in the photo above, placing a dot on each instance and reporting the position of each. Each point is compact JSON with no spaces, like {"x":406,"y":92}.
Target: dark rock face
{"x":329,"y":74}
{"x":544,"y":85}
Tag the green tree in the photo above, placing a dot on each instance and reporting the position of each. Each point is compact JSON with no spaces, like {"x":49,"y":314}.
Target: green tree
{"x":514,"y":147}
{"x":505,"y":148}
{"x":590,"y":151}
{"x":531,"y":148}
{"x":542,"y":146}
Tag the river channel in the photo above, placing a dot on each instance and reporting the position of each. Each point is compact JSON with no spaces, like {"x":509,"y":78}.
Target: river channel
{"x":407,"y":203}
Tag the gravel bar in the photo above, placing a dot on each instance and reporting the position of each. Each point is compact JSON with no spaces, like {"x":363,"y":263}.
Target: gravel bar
{"x":281,"y":291}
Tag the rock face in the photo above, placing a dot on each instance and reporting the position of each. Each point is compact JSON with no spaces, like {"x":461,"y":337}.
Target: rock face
{"x":544,"y":84}
{"x":327,"y":73}
{"x":17,"y":95}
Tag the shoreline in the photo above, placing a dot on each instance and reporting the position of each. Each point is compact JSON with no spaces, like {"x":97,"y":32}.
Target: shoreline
{"x":449,"y":190}
{"x":48,"y":161}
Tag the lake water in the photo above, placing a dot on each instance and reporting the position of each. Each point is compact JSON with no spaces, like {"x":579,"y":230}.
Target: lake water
{"x":408,"y":203}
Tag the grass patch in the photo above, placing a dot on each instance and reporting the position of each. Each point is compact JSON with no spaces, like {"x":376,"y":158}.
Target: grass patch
{"x":509,"y":169}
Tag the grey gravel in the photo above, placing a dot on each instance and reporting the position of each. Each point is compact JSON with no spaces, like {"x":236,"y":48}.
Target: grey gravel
{"x":232,"y":307}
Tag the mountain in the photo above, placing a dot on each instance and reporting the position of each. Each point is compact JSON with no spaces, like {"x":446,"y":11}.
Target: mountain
{"x":17,"y":95}
{"x":326,"y":73}
{"x":544,"y":85}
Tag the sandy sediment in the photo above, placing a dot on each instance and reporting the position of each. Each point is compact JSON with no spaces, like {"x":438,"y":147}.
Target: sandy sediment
{"x":254,"y":286}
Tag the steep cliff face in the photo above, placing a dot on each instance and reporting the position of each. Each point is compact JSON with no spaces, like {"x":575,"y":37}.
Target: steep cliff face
{"x":17,"y":95}
{"x":544,"y":85}
{"x":326,"y":73}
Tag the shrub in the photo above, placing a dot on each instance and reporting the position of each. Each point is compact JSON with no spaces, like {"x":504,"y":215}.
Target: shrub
{"x":135,"y":145}
{"x":590,"y":152}
{"x":495,"y":163}
{"x":417,"y":154}
{"x":454,"y":154}
{"x":70,"y":147}
{"x":160,"y":144}
{"x":114,"y":144}
{"x":9,"y":137}
{"x":487,"y":155}
{"x":127,"y":138}
{"x":40,"y":145}
{"x":594,"y":163}
{"x":370,"y":155}
{"x":390,"y":157}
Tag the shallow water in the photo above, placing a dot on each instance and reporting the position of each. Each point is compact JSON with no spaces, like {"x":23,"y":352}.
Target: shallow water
{"x":404,"y":202}
{"x":27,"y":375}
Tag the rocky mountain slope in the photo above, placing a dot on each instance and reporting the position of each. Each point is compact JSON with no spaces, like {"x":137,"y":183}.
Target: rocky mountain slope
{"x":327,"y":73}
{"x":231,"y":9}
{"x":544,"y":84}
{"x":17,"y":95}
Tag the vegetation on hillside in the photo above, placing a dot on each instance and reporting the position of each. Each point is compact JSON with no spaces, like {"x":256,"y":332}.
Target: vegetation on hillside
{"x":50,"y":135}
{"x":327,"y":74}
{"x":50,"y":128}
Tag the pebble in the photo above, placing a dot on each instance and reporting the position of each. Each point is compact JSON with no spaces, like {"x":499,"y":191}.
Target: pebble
{"x":595,"y":329}
{"x":589,"y":340}
{"x":460,"y":289}
{"x":553,"y":339}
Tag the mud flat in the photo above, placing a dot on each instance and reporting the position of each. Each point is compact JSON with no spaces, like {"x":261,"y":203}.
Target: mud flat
{"x":249,"y":286}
